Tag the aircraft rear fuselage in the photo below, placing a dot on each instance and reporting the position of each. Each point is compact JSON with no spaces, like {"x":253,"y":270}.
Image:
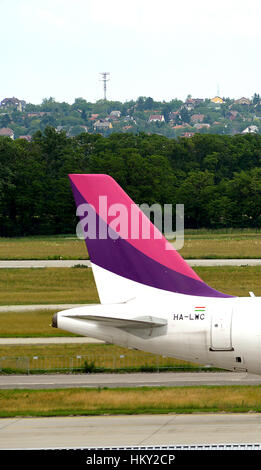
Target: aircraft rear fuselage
{"x":225,"y":333}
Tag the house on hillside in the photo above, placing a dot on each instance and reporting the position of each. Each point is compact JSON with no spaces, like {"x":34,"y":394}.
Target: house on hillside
{"x":250,"y":130}
{"x":173,"y":115}
{"x":7,"y":132}
{"x":187,"y":134}
{"x":94,"y":116}
{"x":25,"y":137}
{"x":197,"y":118}
{"x":115,"y":114}
{"x":60,"y":128}
{"x":156,"y":118}
{"x":180,"y":126}
{"x":102,"y":125}
{"x":190,"y":103}
{"x":32,"y":115}
{"x":13,"y":102}
{"x":243,"y":100}
{"x":198,"y":100}
{"x":201,"y":125}
{"x":217,"y":100}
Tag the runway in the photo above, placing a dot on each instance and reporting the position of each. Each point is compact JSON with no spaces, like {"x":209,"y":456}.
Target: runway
{"x":43,"y":263}
{"x":53,"y":340}
{"x":70,"y":263}
{"x":141,"y":430}
{"x":31,"y":308}
{"x":161,"y":379}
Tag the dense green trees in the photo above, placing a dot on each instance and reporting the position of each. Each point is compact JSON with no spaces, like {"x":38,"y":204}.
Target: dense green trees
{"x":217,"y":178}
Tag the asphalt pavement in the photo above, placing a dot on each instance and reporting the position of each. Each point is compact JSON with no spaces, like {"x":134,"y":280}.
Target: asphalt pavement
{"x":140,"y":379}
{"x":70,"y":263}
{"x":141,"y":430}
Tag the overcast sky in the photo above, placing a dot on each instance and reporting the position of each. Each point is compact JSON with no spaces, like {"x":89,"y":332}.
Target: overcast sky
{"x":163,"y":49}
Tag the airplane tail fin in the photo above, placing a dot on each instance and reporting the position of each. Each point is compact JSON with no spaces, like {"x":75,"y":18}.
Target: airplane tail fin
{"x":126,"y":259}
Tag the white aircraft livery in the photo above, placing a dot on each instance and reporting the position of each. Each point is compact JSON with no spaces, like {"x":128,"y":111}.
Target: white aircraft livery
{"x":150,"y":298}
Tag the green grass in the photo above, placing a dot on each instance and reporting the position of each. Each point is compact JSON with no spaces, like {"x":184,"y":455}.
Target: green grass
{"x":43,"y":247}
{"x":201,"y":243}
{"x":98,"y":357}
{"x":29,"y":324}
{"x":47,"y":286}
{"x":224,"y":232}
{"x":145,"y":400}
{"x":77,"y":286}
{"x":222,"y":247}
{"x":222,"y":243}
{"x":233,"y":280}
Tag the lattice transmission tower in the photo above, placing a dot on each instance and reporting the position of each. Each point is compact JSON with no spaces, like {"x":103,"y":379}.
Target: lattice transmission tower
{"x":105,"y":80}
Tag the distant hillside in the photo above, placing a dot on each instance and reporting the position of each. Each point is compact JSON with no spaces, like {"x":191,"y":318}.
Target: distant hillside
{"x":171,"y":119}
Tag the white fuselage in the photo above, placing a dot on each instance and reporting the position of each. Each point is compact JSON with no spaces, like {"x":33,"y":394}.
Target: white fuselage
{"x":225,"y":333}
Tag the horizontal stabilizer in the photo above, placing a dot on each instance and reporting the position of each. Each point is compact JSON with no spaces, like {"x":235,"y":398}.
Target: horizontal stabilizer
{"x":144,"y":327}
{"x":139,"y":322}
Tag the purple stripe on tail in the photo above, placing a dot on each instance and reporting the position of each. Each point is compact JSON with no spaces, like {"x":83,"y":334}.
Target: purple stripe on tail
{"x":109,"y":199}
{"x":120,"y":257}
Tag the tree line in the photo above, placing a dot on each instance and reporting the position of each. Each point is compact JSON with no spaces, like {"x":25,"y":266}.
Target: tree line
{"x":217,"y":178}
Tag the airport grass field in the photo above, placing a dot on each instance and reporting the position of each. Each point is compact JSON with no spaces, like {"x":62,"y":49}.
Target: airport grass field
{"x":77,"y":286}
{"x":206,"y":244}
{"x":86,"y":358}
{"x":100,"y":401}
{"x":47,"y":286}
